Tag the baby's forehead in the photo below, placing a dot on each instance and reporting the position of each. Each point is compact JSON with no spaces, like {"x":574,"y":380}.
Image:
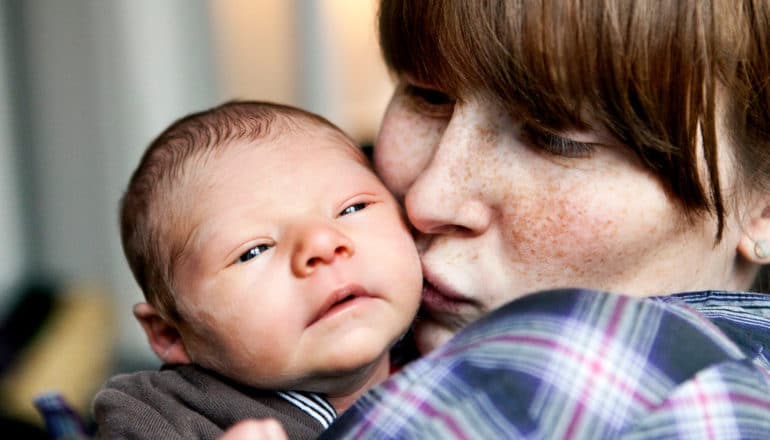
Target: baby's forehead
{"x":322,"y":135}
{"x":284,"y":146}
{"x":206,"y":171}
{"x":306,"y":139}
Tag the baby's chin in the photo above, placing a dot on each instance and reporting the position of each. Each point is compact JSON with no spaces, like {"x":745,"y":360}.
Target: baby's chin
{"x":346,"y":379}
{"x":430,"y":335}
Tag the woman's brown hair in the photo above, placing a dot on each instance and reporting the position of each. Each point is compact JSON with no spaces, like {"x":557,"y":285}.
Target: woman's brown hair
{"x":651,"y":72}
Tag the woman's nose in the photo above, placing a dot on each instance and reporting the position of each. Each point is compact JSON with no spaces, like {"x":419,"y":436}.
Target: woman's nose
{"x":316,"y":245}
{"x":449,"y":196}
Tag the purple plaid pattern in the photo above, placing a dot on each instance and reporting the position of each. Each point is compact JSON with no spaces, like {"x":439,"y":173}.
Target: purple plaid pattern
{"x":577,"y":364}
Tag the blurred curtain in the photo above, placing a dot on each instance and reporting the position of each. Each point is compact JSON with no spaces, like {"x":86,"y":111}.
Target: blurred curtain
{"x":92,"y":82}
{"x":13,"y":256}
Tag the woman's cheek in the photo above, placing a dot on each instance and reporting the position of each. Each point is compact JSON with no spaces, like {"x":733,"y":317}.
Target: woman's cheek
{"x":404,"y":148}
{"x":561,"y":230}
{"x":583,"y":234}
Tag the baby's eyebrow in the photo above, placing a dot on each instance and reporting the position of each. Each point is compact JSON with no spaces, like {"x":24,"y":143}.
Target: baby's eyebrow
{"x":186,"y":251}
{"x":196,"y":244}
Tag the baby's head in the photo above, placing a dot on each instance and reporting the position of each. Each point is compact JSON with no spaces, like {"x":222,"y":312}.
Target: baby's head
{"x":268,"y":250}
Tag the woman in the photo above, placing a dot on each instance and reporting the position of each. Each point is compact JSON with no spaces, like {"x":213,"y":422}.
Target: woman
{"x":619,"y":146}
{"x":613,"y":145}
{"x":561,"y":146}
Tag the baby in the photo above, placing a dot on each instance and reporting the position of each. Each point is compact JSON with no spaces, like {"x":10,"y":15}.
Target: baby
{"x":278,"y":272}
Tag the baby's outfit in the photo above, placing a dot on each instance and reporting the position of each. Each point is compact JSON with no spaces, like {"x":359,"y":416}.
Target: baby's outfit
{"x":190,"y":402}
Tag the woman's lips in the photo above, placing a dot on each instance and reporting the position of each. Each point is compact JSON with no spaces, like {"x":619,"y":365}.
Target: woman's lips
{"x":439,"y":297}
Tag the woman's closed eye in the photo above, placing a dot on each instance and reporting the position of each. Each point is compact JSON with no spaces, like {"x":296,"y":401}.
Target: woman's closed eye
{"x":555,"y":144}
{"x":254,"y":252}
{"x":431,"y":102}
{"x":355,"y":207}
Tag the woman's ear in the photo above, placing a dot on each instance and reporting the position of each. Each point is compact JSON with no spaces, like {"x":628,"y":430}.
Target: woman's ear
{"x":164,"y":338}
{"x":754,"y":245}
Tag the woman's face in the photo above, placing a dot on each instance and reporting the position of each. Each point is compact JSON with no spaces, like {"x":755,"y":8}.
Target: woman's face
{"x":502,"y":208}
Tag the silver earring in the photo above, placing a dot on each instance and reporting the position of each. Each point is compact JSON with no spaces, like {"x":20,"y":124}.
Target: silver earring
{"x":761,"y":249}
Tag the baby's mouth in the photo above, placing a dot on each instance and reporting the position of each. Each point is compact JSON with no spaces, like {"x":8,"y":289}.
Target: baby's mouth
{"x":340,"y":299}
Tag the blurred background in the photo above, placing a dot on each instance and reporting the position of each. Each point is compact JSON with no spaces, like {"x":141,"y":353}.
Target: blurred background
{"x":84,"y":86}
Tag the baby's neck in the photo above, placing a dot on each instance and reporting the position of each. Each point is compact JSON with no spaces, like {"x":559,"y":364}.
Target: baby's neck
{"x":377,"y":374}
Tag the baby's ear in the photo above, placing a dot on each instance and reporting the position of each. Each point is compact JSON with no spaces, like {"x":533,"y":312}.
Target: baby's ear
{"x":164,"y":338}
{"x":755,"y":241}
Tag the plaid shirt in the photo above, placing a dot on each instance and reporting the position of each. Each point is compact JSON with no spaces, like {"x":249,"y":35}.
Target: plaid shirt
{"x":581,"y":364}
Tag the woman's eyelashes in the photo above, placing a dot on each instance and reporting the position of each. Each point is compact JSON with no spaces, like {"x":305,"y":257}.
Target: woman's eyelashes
{"x":555,"y":144}
{"x":254,"y":252}
{"x":431,"y":102}
{"x":353,"y":208}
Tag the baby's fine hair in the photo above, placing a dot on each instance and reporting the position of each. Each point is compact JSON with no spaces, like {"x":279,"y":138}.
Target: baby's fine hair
{"x":152,"y":210}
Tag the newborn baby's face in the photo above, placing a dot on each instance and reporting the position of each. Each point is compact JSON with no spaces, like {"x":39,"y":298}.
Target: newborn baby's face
{"x":298,"y":266}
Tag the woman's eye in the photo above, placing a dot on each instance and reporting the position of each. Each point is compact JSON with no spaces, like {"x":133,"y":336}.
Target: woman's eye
{"x":254,"y":252}
{"x":353,"y":208}
{"x":430,"y":101}
{"x":555,"y":144}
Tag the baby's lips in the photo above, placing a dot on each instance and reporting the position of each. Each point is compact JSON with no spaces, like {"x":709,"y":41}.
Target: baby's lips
{"x":339,"y":296}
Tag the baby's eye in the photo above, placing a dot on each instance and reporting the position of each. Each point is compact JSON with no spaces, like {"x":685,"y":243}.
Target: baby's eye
{"x":555,"y":144}
{"x":353,"y":208}
{"x":431,"y":102}
{"x":254,"y":252}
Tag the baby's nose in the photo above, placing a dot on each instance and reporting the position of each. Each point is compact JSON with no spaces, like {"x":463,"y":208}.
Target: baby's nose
{"x":317,"y":245}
